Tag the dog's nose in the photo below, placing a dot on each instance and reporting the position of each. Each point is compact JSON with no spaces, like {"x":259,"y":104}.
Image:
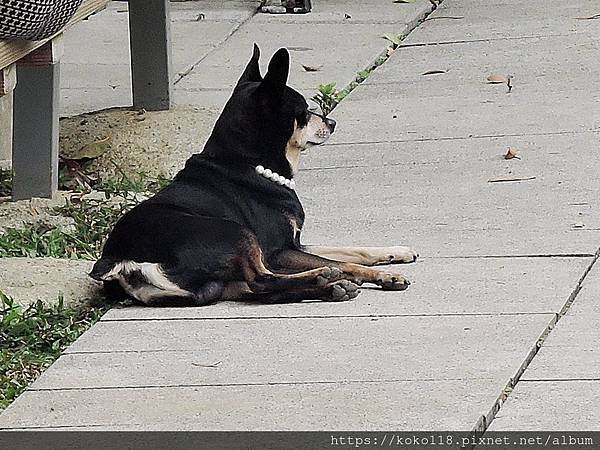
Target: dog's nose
{"x":330,"y":123}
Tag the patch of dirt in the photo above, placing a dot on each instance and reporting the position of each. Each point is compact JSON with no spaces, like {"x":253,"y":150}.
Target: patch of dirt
{"x":120,"y":140}
{"x":27,"y":280}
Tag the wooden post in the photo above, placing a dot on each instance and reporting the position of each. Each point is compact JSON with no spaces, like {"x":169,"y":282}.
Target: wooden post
{"x":35,"y":133}
{"x":150,"y":43}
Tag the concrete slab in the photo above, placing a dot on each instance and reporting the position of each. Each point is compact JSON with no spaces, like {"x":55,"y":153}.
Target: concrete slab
{"x":393,"y":114}
{"x":398,"y":102}
{"x":27,"y":280}
{"x":550,"y":61}
{"x":506,"y":19}
{"x":571,"y":352}
{"x":563,"y":405}
{"x":211,"y":352}
{"x":439,"y":286}
{"x":380,"y":205}
{"x":390,"y":113}
{"x":553,"y":155}
{"x":560,"y":388}
{"x":423,"y":405}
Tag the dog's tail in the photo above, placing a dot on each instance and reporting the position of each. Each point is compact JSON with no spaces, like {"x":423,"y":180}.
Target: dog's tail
{"x":102,"y":268}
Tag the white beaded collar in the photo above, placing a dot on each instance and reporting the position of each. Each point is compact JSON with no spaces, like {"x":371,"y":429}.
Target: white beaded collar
{"x":275,"y":177}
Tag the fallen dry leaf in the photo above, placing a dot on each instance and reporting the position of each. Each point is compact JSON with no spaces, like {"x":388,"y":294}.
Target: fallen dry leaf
{"x":207,"y":365}
{"x":595,"y":16}
{"x":434,"y":72}
{"x":311,"y":68}
{"x":511,"y":153}
{"x":94,"y":149}
{"x":497,"y":79}
{"x":509,"y":179}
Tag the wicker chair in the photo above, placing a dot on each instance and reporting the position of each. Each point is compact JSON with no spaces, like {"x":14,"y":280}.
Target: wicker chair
{"x":34,"y":19}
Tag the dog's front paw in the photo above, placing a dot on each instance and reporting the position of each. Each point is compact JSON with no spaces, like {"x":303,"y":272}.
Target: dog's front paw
{"x":341,"y":291}
{"x":392,"y":281}
{"x":401,"y":255}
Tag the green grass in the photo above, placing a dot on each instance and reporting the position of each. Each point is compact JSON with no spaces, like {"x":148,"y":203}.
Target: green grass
{"x":93,"y":219}
{"x":140,"y":182}
{"x":32,"y":338}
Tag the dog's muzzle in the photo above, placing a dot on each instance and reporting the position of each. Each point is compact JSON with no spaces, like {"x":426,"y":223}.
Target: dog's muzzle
{"x":329,"y":122}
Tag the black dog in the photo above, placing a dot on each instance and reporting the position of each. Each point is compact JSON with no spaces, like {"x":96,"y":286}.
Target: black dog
{"x":228,"y":226}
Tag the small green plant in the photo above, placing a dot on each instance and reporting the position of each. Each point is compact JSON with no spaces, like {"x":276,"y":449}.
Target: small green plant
{"x":395,"y":39}
{"x":327,"y":97}
{"x":363,"y":75}
{"x":32,"y":338}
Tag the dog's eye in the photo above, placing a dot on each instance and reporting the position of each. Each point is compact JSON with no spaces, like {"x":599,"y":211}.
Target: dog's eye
{"x":303,"y":117}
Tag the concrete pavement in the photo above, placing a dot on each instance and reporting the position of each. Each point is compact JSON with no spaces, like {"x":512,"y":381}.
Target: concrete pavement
{"x":505,"y":266}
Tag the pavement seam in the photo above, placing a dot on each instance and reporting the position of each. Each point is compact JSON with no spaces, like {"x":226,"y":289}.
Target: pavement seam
{"x":485,"y":421}
{"x":461,"y":138}
{"x":309,"y":317}
{"x":185,"y":72}
{"x":256,"y":384}
{"x":558,"y":380}
{"x":474,"y":41}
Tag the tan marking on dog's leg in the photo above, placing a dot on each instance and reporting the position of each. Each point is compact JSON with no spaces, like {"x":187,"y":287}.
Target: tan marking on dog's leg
{"x":368,"y":256}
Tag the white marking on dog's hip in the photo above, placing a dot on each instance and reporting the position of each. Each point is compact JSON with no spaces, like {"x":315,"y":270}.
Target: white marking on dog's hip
{"x":156,"y":282}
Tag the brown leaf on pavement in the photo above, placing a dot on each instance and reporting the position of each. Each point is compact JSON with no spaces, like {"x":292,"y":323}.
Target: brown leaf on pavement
{"x":595,"y":16}
{"x":509,"y":179}
{"x":434,"y":72}
{"x":511,"y":153}
{"x":312,"y":68}
{"x":497,"y":79}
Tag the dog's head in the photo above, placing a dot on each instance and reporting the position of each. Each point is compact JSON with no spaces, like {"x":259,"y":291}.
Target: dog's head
{"x":266,"y":122}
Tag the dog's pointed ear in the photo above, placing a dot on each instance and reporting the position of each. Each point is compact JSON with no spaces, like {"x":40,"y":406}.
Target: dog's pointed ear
{"x":252,"y":70}
{"x":279,"y":69}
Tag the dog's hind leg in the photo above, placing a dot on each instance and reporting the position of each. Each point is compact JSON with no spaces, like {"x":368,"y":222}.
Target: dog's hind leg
{"x":359,"y":274}
{"x":261,"y":280}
